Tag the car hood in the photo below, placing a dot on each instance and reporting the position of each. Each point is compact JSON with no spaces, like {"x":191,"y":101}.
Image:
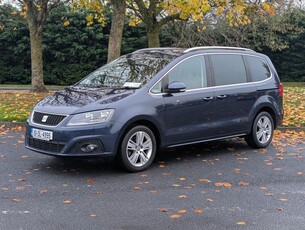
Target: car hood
{"x":79,"y":99}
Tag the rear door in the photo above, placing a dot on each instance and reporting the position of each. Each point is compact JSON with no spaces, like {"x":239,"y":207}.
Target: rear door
{"x":234,"y":95}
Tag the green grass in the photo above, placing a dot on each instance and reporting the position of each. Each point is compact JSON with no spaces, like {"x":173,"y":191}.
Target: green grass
{"x":29,"y":86}
{"x":294,"y":84}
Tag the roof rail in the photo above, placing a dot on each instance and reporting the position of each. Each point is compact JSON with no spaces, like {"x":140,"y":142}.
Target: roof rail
{"x":216,"y":47}
{"x":156,"y":49}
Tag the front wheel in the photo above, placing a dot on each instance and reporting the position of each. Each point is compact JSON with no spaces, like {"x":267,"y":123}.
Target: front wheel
{"x":138,"y":149}
{"x":262,"y":131}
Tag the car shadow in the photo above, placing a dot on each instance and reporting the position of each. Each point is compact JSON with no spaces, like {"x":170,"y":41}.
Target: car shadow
{"x":100,"y":166}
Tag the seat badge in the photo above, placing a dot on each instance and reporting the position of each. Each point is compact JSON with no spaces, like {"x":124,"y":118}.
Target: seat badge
{"x":44,"y":118}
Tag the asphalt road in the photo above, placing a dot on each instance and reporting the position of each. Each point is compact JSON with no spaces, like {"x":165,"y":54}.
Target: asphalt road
{"x":218,"y":185}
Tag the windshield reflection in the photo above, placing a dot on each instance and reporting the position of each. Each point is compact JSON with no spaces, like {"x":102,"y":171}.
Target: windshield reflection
{"x":129,"y":71}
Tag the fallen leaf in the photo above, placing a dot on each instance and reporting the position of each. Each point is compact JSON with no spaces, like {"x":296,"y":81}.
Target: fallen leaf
{"x":136,"y":188}
{"x":243,"y":184}
{"x":182,"y":196}
{"x":163,"y":209}
{"x":182,"y":178}
{"x":182,"y":211}
{"x":20,"y":188}
{"x":218,"y":184}
{"x":204,"y":180}
{"x":198,"y":211}
{"x":210,"y":200}
{"x":175,"y":216}
{"x":67,"y":201}
{"x":176,"y":185}
{"x":241,"y":223}
{"x":90,"y":180}
{"x":97,"y":193}
{"x":227,"y":185}
{"x":269,"y":194}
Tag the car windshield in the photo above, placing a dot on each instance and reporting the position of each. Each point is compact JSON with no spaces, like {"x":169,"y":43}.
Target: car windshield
{"x":129,"y":71}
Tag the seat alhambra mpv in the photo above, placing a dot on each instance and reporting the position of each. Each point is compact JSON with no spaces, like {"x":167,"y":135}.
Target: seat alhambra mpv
{"x":159,"y":98}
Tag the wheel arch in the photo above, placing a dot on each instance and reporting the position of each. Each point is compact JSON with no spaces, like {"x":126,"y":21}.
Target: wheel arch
{"x":268,"y":110}
{"x":137,"y":122}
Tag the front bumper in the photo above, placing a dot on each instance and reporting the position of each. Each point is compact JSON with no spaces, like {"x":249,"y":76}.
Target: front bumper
{"x":71,"y":141}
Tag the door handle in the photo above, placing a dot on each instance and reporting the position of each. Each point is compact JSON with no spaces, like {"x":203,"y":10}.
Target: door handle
{"x":208,"y":98}
{"x":221,"y":96}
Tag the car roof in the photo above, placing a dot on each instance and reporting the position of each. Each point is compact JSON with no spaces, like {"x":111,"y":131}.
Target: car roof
{"x":171,"y":50}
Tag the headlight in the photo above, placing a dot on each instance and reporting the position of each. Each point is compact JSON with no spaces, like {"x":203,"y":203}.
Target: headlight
{"x":89,"y":118}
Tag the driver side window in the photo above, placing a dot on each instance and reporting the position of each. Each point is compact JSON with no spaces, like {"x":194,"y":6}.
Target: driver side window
{"x":192,"y":72}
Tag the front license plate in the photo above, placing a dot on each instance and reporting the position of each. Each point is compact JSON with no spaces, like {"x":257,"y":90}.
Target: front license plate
{"x":42,"y":134}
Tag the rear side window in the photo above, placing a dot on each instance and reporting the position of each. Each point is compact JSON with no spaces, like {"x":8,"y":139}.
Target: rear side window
{"x":228,"y":69}
{"x":258,"y":68}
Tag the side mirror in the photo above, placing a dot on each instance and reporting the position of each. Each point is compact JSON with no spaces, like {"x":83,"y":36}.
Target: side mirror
{"x":176,"y":87}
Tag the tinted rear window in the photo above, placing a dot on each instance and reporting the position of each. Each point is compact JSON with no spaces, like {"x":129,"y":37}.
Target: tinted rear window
{"x":228,"y":69}
{"x":258,"y":68}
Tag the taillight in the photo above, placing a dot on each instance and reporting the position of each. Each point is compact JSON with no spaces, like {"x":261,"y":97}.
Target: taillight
{"x":281,"y":90}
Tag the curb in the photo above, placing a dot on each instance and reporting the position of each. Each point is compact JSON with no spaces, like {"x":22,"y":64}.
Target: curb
{"x":12,"y":124}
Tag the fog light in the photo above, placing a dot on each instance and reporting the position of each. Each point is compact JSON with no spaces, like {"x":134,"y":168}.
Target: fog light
{"x":88,"y":148}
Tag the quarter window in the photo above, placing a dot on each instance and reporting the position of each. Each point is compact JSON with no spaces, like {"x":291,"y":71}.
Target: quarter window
{"x":258,"y":68}
{"x":228,"y":69}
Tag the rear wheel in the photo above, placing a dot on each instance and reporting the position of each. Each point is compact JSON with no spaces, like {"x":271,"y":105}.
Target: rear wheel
{"x":138,"y":149}
{"x":262,"y":131}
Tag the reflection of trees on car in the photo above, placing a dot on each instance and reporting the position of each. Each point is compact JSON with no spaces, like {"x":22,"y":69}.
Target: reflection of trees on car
{"x":132,"y":68}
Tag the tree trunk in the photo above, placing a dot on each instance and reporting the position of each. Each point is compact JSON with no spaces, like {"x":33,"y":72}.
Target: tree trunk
{"x":153,"y":36}
{"x":116,"y":32}
{"x":36,"y":60}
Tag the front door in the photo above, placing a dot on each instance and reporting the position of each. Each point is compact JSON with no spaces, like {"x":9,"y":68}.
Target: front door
{"x":188,"y":113}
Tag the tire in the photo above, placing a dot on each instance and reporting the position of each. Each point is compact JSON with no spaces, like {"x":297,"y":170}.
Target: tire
{"x":138,"y":149}
{"x":262,"y":131}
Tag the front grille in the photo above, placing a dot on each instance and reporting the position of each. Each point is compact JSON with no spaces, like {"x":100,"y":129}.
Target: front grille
{"x":45,"y":145}
{"x":47,"y":119}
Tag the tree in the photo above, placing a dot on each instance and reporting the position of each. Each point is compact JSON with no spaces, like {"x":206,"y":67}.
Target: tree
{"x":265,"y":30}
{"x":116,"y":32}
{"x":155,"y":13}
{"x":97,"y":9}
{"x":35,"y":12}
{"x":290,"y":61}
{"x":14,"y":47}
